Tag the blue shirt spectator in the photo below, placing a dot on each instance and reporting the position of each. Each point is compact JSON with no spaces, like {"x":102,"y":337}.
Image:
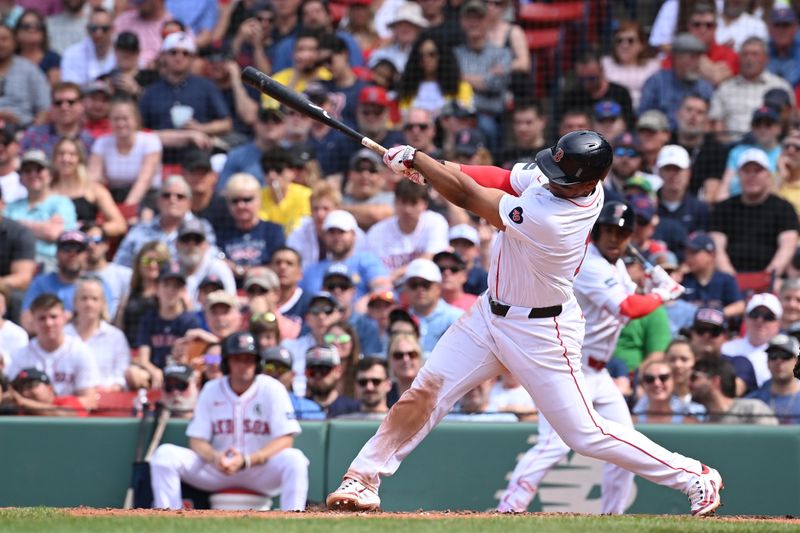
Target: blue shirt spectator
{"x":160,"y":334}
{"x":54,"y":205}
{"x":786,"y":406}
{"x":199,"y":15}
{"x":720,"y":291}
{"x":784,"y":44}
{"x":363,"y":266}
{"x":368,"y":333}
{"x":53,"y":284}
{"x":433,"y":325}
{"x":250,"y":247}
{"x":664,"y":91}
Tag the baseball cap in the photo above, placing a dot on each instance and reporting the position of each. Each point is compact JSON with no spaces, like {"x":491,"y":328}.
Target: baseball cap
{"x":765,"y":299}
{"x":686,"y":43}
{"x":784,"y":343}
{"x":700,"y":241}
{"x":382,"y":296}
{"x":180,"y":372}
{"x":673,"y":154}
{"x":211,"y":280}
{"x":466,"y":232}
{"x":782,"y":14}
{"x":277,"y":354}
{"x":399,"y":314}
{"x":640,"y":182}
{"x":323,"y":355}
{"x":607,"y":109}
{"x":469,"y":141}
{"x":374,"y":95}
{"x":179,"y":41}
{"x":474,"y":7}
{"x":300,"y":154}
{"x":711,"y":316}
{"x":270,"y":114}
{"x":643,"y":206}
{"x":777,"y":98}
{"x":341,"y":220}
{"x":449,"y":255}
{"x":653,"y":120}
{"x":31,"y":374}
{"x":197,"y":159}
{"x":97,"y":86}
{"x":365,"y":155}
{"x":262,"y":277}
{"x":171,"y":271}
{"x":425,"y":269}
{"x":193,"y":226}
{"x":341,"y":270}
{"x":37,"y":157}
{"x":454,"y":109}
{"x":316,"y":93}
{"x":626,"y":140}
{"x":221,"y":297}
{"x":128,"y":41}
{"x":753,"y":155}
{"x":324,"y":295}
{"x":73,"y":236}
{"x":409,"y":12}
{"x":765,"y":112}
{"x":666,"y":259}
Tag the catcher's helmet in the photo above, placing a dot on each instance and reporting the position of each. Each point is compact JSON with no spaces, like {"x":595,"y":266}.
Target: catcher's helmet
{"x":238,"y":343}
{"x":617,"y":214}
{"x":577,"y":157}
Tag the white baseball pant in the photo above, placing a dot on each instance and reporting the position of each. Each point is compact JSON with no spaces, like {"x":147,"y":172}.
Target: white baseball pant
{"x":544,"y":354}
{"x":532,"y":467}
{"x":286,"y":472}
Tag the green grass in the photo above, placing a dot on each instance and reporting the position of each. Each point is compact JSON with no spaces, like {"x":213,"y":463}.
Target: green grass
{"x":44,"y":520}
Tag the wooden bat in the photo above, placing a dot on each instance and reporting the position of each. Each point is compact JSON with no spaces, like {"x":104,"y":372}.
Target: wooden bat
{"x":283,"y":94}
{"x":138,"y":455}
{"x":634,"y":251}
{"x":158,"y":432}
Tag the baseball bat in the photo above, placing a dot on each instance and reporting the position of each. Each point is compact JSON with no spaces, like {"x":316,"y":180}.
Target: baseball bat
{"x":634,"y":251}
{"x":137,"y":455}
{"x":158,"y":433}
{"x":283,"y":94}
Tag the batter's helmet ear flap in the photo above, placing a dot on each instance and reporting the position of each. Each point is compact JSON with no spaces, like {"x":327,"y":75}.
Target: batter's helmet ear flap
{"x":617,"y":214}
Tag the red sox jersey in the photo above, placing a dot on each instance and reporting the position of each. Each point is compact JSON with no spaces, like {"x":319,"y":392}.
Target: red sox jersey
{"x":600,"y":288}
{"x":70,"y":367}
{"x":544,"y":242}
{"x":246,"y":422}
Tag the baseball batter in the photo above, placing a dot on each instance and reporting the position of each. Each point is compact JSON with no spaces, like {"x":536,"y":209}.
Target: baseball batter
{"x":529,"y":321}
{"x":241,"y":436}
{"x":606,"y":294}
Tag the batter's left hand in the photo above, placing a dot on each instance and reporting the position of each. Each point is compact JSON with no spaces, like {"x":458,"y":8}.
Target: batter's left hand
{"x":400,"y":159}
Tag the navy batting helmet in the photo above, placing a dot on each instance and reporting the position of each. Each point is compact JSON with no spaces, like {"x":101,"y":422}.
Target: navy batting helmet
{"x":238,"y":343}
{"x":617,"y":214}
{"x":577,"y":157}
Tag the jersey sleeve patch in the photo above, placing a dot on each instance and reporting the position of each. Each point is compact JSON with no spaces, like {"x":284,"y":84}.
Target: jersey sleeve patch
{"x":610,"y":282}
{"x":516,"y":215}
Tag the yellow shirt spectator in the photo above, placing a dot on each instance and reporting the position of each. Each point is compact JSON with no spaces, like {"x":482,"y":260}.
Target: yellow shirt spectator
{"x":295,"y":205}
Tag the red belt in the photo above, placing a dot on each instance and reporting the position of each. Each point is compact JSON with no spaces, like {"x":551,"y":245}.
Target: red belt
{"x":596,"y":363}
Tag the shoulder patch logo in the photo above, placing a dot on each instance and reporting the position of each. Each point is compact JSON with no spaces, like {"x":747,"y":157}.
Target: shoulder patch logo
{"x":610,"y":282}
{"x":516,"y":215}
{"x":559,"y":153}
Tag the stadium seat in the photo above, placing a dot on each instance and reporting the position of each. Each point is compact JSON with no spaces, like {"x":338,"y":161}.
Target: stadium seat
{"x":754,"y":282}
{"x":551,"y":14}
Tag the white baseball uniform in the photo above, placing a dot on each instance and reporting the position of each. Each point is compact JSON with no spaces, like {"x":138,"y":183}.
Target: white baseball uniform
{"x":600,"y":289}
{"x":534,"y":264}
{"x":246,"y":423}
{"x":70,"y":367}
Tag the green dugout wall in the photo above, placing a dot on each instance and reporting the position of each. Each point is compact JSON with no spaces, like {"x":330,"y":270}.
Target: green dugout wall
{"x":62,"y":462}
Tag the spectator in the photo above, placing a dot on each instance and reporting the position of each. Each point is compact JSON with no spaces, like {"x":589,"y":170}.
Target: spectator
{"x":680,"y":356}
{"x":128,"y":159}
{"x":666,"y":89}
{"x":24,"y":98}
{"x":680,"y":312}
{"x":528,"y":128}
{"x":507,"y":395}
{"x":198,"y":260}
{"x":706,"y":286}
{"x":172,"y":204}
{"x":116,"y":277}
{"x":742,"y":245}
{"x":17,"y":260}
{"x":675,"y":202}
{"x":789,"y":295}
{"x":647,"y":224}
{"x":471,"y":148}
{"x":789,"y":170}
{"x":339,"y":281}
{"x":90,"y":198}
{"x":364,"y":197}
{"x":782,"y":392}
{"x":140,"y":300}
{"x":324,"y":372}
{"x":713,"y":385}
{"x":629,"y":64}
{"x":97,"y":101}
{"x":33,"y":44}
{"x":262,"y":287}
{"x":423,"y":281}
{"x":432,"y":78}
{"x":784,"y":46}
{"x":454,"y":118}
{"x":359,"y":22}
{"x":346,"y":340}
{"x":607,"y":119}
{"x":305,"y":66}
{"x":659,"y":405}
{"x":222,"y":316}
{"x":401,"y":321}
{"x":653,"y":133}
{"x":106,"y":343}
{"x":241,"y":100}
{"x":292,"y":299}
{"x":283,"y":201}
{"x":183,"y":108}
{"x":268,"y":462}
{"x":253,"y":34}
{"x":372,"y":387}
{"x":746,"y":353}
{"x":10,"y":186}
{"x":157,"y":332}
{"x":93,"y":56}
{"x":65,"y":360}
{"x":736,"y":99}
{"x":405,"y":360}
{"x":735,"y":26}
{"x":694,"y":134}
{"x":323,"y":311}
{"x":593,"y":87}
{"x":474,"y":407}
{"x":200,"y":17}
{"x":573,"y":120}
{"x":413,"y":232}
{"x":269,"y":130}
{"x":454,"y":277}
{"x":278,"y":365}
{"x":626,"y":168}
{"x":145,"y":21}
{"x":64,"y":120}
{"x":507,"y":35}
{"x":202,"y":179}
{"x":69,"y":26}
{"x":379,"y":305}
{"x":466,"y":242}
{"x":406,"y":25}
{"x":486,"y":68}
{"x":12,"y":337}
{"x":180,"y":391}
{"x":33,"y":393}
{"x":708,"y":333}
{"x":419,"y":130}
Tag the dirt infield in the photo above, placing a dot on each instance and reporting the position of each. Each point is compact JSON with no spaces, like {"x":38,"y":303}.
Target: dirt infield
{"x":428,"y":515}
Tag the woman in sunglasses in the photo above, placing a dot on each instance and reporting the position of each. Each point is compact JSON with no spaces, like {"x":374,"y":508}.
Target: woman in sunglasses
{"x":344,"y":337}
{"x":659,"y":403}
{"x":405,"y":360}
{"x":630,"y":62}
{"x":33,"y":44}
{"x":141,"y":297}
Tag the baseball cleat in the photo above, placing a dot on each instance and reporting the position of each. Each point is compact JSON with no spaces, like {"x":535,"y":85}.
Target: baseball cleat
{"x":516,"y":498}
{"x":704,"y":494}
{"x":352,"y":495}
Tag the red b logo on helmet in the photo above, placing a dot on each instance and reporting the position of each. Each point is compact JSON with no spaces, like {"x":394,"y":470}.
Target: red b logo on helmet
{"x":558,"y":155}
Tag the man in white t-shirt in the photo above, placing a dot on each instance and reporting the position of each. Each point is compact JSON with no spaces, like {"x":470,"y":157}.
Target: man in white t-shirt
{"x":413,"y":232}
{"x":66,"y":360}
{"x":12,"y":336}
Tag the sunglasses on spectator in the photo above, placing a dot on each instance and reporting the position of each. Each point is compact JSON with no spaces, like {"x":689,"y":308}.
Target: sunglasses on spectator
{"x":69,"y":101}
{"x":341,"y":286}
{"x":27,"y":26}
{"x":791,"y":146}
{"x":96,"y":239}
{"x":274,"y":168}
{"x":147,"y":261}
{"x":71,"y":247}
{"x":764,"y":123}
{"x":177,"y":52}
{"x":192,"y":239}
{"x":455,"y":269}
{"x":366,"y":168}
{"x":625,"y":40}
{"x":256,"y":290}
{"x":651,"y":378}
{"x":318,"y":370}
{"x":399,"y":355}
{"x":177,"y":195}
{"x":241,"y":200}
{"x":321,"y":310}
{"x":697,"y":24}
{"x":419,"y":283}
{"x":363,"y":382}
{"x":275,"y":369}
{"x":625,"y":152}
{"x":212,"y":359}
{"x":179,"y":386}
{"x":31,"y":169}
{"x":269,"y":316}
{"x":372,"y":110}
{"x":709,"y":330}
{"x":765,"y":314}
{"x":416,"y":125}
{"x":98,"y":27}
{"x":332,"y":338}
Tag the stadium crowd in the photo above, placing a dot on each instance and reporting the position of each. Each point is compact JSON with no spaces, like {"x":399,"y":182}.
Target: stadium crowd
{"x":153,"y":205}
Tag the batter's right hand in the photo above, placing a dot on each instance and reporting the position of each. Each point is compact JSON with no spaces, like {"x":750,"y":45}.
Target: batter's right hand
{"x":400,"y":159}
{"x":660,"y":277}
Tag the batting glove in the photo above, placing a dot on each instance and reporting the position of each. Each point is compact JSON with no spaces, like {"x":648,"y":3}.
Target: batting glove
{"x":670,"y":292}
{"x":660,"y":277}
{"x":400,"y":159}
